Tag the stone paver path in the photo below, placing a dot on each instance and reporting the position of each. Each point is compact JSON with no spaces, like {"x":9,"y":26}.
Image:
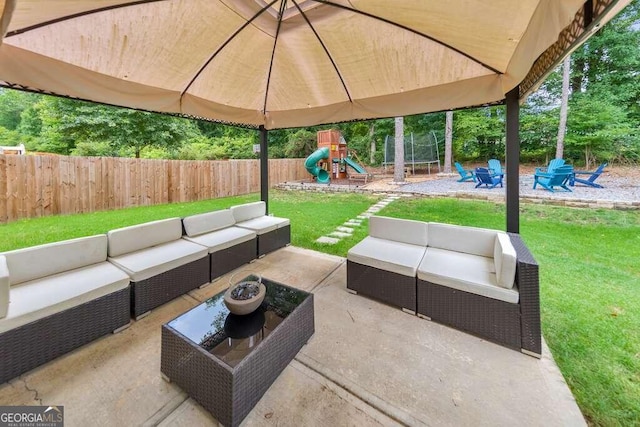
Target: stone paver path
{"x":346,"y":230}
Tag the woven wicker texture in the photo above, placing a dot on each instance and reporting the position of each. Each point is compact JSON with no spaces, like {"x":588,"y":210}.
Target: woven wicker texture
{"x":231,"y":258}
{"x":38,"y":342}
{"x":385,"y":286}
{"x":273,"y":240}
{"x":155,"y":291}
{"x":529,"y":288}
{"x":230,"y":393}
{"x":512,"y":325}
{"x":488,"y":318}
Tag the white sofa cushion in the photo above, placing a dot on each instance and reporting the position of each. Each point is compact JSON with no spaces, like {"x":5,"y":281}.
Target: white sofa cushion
{"x":505,"y":259}
{"x":43,"y":297}
{"x":470,"y":273}
{"x":249,"y":211}
{"x":149,"y":262}
{"x":399,"y":230}
{"x":389,"y":255}
{"x":470,"y":240}
{"x":223,"y":239}
{"x":140,"y":236}
{"x":195,"y":225}
{"x":4,"y":287}
{"x":53,"y":258}
{"x":264,"y":224}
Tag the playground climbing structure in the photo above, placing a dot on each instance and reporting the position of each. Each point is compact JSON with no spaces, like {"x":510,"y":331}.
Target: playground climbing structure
{"x":331,"y":158}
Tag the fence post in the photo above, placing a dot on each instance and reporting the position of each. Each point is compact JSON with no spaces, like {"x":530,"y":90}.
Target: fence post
{"x":3,"y":188}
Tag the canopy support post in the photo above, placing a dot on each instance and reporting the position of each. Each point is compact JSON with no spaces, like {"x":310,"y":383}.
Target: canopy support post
{"x":513,"y":160}
{"x":264,"y":168}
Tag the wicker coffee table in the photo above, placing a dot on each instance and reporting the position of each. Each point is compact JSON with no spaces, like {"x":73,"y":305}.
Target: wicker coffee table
{"x":227,"y":362}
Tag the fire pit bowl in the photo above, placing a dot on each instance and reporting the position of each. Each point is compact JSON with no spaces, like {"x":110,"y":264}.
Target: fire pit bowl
{"x":245,"y":296}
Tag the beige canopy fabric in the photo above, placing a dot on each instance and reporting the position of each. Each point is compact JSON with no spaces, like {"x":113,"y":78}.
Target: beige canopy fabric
{"x":289,"y":63}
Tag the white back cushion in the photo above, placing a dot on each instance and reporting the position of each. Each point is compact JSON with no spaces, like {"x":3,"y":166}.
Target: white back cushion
{"x":131,"y":239}
{"x":504,"y":257}
{"x":469,"y":240}
{"x":53,"y":258}
{"x":249,"y":211}
{"x":4,"y":287}
{"x":399,"y":230}
{"x":195,"y":225}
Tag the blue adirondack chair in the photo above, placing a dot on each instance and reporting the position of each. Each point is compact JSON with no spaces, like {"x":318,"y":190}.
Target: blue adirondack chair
{"x":553,"y":164}
{"x":588,"y":181}
{"x":558,"y":178}
{"x":495,"y":167}
{"x":487,"y":179}
{"x":465,"y":175}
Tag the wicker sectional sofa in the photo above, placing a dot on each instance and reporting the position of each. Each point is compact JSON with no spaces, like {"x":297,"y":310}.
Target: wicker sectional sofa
{"x":229,"y":246}
{"x":273,"y":232}
{"x":160,"y":263}
{"x":60,"y":296}
{"x":481,"y":281}
{"x":55,"y":298}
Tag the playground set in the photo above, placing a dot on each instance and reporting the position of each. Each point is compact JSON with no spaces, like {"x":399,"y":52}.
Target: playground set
{"x":331,"y":158}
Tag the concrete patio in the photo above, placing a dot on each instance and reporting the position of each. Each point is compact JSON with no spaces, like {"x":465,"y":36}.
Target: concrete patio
{"x":367,"y":364}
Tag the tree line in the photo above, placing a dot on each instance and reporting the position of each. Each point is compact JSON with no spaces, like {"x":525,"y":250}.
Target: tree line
{"x":603,"y":119}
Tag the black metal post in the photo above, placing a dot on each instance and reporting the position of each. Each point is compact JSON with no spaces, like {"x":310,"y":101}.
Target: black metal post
{"x":513,"y":161}
{"x":264,"y":167}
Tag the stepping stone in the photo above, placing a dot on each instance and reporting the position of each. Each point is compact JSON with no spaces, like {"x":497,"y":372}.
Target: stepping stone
{"x":327,"y":240}
{"x":345,"y":229}
{"x":352,"y":223}
{"x":340,"y":234}
{"x":362,"y":216}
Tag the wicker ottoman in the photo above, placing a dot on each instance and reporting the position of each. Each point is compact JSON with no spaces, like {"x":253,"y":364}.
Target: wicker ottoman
{"x":227,"y":362}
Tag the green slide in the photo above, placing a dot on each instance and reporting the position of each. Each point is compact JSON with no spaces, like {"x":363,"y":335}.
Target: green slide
{"x":354,"y":165}
{"x":311,"y":164}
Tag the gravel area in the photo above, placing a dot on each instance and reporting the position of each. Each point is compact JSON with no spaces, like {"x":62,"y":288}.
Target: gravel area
{"x":620,"y":185}
{"x":616,"y":189}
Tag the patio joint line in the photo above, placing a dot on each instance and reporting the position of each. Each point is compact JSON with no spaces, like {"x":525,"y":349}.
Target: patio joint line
{"x":36,"y":396}
{"x":397,"y":414}
{"x":167,"y":409}
{"x":324,"y":279}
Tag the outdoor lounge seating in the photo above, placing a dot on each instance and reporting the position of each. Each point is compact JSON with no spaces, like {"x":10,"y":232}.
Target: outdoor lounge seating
{"x":487,"y":179}
{"x":55,"y":298}
{"x":273,"y":232}
{"x":465,"y":175}
{"x":590,"y":181}
{"x":384,"y":265}
{"x":551,"y":180}
{"x":161,"y":265}
{"x":480,"y":281}
{"x":495,"y":168}
{"x":553,"y":165}
{"x":229,"y":246}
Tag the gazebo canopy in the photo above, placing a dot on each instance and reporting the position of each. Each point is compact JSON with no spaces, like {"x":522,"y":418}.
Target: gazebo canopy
{"x":290,"y":63}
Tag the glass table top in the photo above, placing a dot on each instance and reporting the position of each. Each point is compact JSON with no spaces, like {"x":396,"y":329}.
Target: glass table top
{"x":230,"y":337}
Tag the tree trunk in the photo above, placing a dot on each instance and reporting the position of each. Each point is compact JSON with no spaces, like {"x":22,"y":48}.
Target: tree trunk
{"x":562,"y":128}
{"x":372,"y":153}
{"x":398,"y":164}
{"x":576,"y":79}
{"x":448,"y":138}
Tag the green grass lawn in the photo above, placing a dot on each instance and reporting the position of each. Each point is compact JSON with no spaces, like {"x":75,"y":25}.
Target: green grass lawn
{"x":590,"y":282}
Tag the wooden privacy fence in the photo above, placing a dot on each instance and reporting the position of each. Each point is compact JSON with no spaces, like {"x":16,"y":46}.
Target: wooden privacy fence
{"x":32,"y":186}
